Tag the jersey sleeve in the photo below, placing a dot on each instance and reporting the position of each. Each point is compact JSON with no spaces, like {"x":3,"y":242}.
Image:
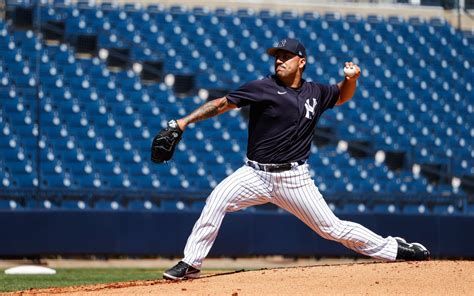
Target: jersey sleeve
{"x":247,"y":93}
{"x":329,"y":95}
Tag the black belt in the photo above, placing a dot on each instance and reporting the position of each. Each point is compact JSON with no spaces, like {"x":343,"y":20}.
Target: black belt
{"x":273,"y":167}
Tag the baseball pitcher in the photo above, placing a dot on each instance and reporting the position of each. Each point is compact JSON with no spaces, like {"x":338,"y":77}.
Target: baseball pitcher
{"x":284,"y":111}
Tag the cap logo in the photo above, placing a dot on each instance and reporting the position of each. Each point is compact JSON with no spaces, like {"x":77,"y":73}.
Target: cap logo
{"x":282,"y":43}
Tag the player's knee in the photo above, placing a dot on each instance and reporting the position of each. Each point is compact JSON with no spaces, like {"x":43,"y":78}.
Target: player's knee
{"x":334,"y":231}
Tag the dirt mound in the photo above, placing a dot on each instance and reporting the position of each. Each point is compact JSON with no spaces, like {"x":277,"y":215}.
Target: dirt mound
{"x":381,"y":278}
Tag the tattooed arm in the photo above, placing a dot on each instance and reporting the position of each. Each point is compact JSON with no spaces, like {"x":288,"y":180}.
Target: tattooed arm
{"x":208,"y":110}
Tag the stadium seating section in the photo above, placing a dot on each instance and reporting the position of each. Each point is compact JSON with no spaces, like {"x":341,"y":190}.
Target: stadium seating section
{"x":415,"y":98}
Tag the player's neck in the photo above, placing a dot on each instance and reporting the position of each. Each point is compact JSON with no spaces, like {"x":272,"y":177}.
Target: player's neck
{"x":292,"y":81}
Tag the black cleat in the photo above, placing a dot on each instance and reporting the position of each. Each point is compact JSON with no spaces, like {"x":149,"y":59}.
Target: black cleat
{"x":181,"y":271}
{"x":412,"y":252}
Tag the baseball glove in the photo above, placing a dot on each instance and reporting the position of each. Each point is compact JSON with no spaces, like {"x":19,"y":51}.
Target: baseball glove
{"x":165,"y":142}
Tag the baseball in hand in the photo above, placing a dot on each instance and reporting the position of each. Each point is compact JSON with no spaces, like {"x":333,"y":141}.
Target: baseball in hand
{"x":350,"y":71}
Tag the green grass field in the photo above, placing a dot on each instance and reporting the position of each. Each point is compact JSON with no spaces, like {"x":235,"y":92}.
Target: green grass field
{"x":76,"y":276}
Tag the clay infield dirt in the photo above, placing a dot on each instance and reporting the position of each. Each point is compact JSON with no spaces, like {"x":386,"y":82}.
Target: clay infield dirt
{"x":372,"y":278}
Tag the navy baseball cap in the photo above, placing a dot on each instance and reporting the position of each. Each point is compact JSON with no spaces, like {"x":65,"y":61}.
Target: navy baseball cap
{"x":290,"y":45}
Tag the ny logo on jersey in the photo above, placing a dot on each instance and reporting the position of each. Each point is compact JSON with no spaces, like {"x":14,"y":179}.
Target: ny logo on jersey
{"x":310,"y":108}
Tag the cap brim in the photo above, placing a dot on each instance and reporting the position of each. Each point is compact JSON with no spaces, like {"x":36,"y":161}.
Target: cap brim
{"x":273,"y":50}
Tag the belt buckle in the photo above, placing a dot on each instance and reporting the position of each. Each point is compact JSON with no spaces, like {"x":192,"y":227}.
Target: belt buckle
{"x":271,"y":168}
{"x":278,"y":167}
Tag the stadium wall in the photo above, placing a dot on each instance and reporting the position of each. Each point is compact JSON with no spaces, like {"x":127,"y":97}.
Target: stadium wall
{"x":139,"y":233}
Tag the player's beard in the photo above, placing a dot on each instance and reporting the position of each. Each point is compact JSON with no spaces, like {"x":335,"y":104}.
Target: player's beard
{"x":283,"y":72}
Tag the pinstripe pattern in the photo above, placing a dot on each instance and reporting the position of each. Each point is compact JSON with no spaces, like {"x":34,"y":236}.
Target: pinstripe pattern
{"x":292,"y":190}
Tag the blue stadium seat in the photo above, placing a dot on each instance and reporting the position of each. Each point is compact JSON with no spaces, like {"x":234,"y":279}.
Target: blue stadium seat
{"x":417,"y":209}
{"x":144,"y":205}
{"x":40,"y":204}
{"x":173,"y":205}
{"x":74,"y":205}
{"x":107,"y":205}
{"x":385,"y":208}
{"x":445,"y":209}
{"x":9,"y":205}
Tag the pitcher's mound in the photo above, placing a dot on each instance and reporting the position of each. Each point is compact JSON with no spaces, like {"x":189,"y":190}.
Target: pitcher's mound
{"x":381,"y":278}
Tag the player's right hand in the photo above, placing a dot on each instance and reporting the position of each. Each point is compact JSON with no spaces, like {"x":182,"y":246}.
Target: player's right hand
{"x":351,"y":71}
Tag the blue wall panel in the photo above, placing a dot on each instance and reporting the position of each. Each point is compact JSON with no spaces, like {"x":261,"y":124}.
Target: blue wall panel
{"x":242,"y":234}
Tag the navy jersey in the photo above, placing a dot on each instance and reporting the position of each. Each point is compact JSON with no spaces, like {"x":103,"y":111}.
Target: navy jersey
{"x":282,"y":119}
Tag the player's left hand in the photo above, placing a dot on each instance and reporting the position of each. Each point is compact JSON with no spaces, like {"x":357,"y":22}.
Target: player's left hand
{"x":351,"y":71}
{"x":165,"y":142}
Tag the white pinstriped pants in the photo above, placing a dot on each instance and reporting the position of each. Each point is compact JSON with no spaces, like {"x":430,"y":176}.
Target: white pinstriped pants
{"x":292,"y":190}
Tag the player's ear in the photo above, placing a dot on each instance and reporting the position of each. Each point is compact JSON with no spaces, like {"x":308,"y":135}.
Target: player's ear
{"x":302,"y":63}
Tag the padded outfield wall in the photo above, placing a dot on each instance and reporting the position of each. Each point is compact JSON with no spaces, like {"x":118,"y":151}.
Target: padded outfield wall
{"x":40,"y":233}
